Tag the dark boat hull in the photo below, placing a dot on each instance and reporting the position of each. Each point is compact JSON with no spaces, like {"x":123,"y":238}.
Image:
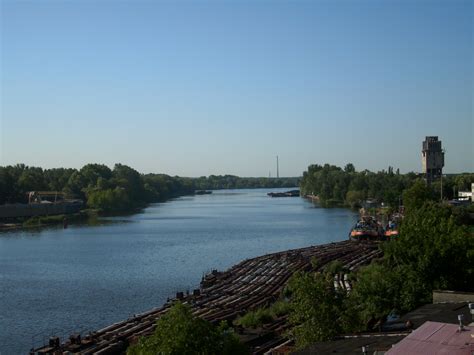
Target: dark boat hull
{"x":364,"y":235}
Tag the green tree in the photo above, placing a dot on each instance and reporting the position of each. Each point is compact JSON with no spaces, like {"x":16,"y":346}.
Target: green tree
{"x":333,"y":184}
{"x":373,"y":296}
{"x":179,"y":332}
{"x":57,"y":178}
{"x":9,"y":177}
{"x":92,"y":172}
{"x":463,"y":181}
{"x":436,"y":247}
{"x":316,"y":308}
{"x":432,"y":252}
{"x":130,"y":180}
{"x":76,"y":184}
{"x":415,"y":196}
{"x":108,"y":200}
{"x":349,"y":168}
{"x":354,"y":198}
{"x":32,"y":179}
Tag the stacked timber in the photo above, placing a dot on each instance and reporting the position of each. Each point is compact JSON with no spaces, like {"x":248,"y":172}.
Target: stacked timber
{"x":249,"y":285}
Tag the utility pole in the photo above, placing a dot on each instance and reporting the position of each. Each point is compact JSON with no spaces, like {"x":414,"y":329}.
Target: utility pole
{"x":278,"y":169}
{"x":441,"y":187}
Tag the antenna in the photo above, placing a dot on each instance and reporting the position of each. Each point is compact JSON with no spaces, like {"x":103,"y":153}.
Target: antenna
{"x":441,"y":189}
{"x":278,"y":169}
{"x":444,"y":151}
{"x":460,"y":319}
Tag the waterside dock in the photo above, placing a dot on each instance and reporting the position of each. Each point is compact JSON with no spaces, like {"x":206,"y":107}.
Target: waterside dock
{"x":251,"y":284}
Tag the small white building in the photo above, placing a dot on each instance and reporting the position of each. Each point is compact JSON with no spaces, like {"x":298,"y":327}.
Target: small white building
{"x":466,"y":195}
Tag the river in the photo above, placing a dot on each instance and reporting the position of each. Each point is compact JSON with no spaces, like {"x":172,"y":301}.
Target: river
{"x":59,"y":281}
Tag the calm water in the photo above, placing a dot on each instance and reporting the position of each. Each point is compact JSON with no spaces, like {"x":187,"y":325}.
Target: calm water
{"x":85,"y":277}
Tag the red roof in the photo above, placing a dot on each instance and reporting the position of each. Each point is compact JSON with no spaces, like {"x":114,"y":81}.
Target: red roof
{"x":436,"y":338}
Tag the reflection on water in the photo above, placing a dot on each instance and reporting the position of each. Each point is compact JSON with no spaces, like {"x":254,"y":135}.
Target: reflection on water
{"x":98,"y":272}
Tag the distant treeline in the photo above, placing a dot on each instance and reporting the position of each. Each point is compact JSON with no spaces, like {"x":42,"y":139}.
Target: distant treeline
{"x":119,"y":189}
{"x":335,"y":185}
{"x":219,"y":182}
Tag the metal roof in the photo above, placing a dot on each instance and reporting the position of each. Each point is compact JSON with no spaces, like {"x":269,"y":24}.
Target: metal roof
{"x":429,"y":313}
{"x":436,"y":338}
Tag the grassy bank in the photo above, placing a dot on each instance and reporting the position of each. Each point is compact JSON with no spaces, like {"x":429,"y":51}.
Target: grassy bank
{"x":40,"y":221}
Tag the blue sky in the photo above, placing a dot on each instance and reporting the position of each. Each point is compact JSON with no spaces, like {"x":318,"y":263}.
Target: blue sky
{"x":212,"y":87}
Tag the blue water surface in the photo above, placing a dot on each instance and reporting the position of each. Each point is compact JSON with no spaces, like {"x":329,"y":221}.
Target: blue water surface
{"x":60,"y":281}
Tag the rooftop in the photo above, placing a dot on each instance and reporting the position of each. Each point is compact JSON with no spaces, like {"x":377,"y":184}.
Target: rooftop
{"x":383,"y":341}
{"x":436,"y":338}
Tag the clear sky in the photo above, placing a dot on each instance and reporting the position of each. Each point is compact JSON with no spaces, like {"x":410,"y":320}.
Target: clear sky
{"x":195,"y":88}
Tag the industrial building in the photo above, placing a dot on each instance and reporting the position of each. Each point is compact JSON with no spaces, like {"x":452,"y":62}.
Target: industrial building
{"x":432,"y":158}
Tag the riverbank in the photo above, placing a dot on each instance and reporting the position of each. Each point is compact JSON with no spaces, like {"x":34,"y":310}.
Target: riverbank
{"x":45,"y":221}
{"x":89,"y":213}
{"x":37,"y":222}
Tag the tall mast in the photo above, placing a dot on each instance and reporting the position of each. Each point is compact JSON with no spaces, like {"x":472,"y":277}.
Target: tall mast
{"x":278,"y":169}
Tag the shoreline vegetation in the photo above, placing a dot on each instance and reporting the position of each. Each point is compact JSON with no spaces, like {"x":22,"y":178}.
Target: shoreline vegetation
{"x":84,"y":216}
{"x":333,"y":186}
{"x":435,"y":251}
{"x":110,"y":192}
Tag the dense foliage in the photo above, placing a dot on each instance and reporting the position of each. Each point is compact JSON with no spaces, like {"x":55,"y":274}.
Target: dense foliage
{"x":436,"y":247}
{"x":434,"y":251}
{"x":119,"y":189}
{"x":347,"y":186}
{"x":415,"y":196}
{"x":179,"y":332}
{"x":316,"y":308}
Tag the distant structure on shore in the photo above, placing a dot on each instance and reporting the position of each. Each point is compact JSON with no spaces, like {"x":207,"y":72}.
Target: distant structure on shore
{"x":42,"y":203}
{"x":278,"y":169}
{"x":432,"y":158}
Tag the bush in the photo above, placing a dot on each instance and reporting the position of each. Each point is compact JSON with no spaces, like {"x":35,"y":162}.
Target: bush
{"x":179,"y":332}
{"x":435,"y":247}
{"x":280,"y":308}
{"x":432,"y":252}
{"x":109,"y":200}
{"x":255,"y":319}
{"x":334,"y":267}
{"x":316,"y":308}
{"x":261,"y":316}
